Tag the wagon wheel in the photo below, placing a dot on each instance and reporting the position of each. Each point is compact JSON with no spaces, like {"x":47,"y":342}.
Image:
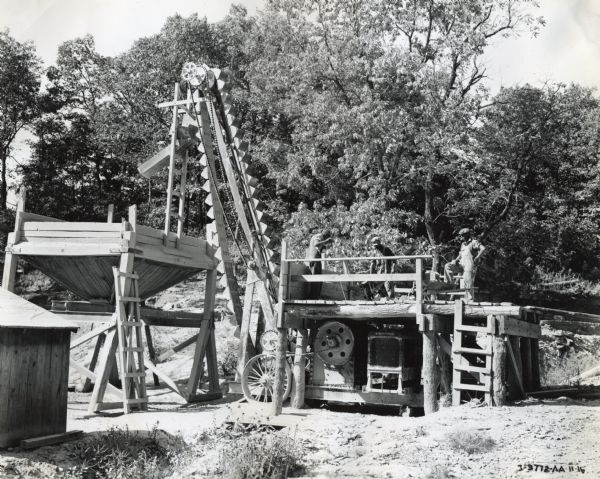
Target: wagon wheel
{"x":258,"y":378}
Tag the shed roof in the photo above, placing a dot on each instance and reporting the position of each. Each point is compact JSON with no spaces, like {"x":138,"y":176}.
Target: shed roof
{"x":16,"y":312}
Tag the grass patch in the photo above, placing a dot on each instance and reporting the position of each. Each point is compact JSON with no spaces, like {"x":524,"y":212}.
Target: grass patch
{"x":260,"y":454}
{"x":471,"y":442}
{"x":121,"y":453}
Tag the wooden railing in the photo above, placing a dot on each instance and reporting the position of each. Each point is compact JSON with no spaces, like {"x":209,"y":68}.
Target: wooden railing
{"x":416,"y":277}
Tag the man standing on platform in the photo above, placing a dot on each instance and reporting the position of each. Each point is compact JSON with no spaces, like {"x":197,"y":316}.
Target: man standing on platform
{"x":318,"y":242}
{"x":466,"y":262}
{"x":381,"y":266}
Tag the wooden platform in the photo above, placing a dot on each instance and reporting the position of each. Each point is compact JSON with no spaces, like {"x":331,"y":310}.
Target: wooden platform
{"x":80,"y":256}
{"x":368,"y":310}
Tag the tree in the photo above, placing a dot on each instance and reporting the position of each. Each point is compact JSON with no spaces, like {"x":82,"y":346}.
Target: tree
{"x":20,"y":71}
{"x":372,"y":103}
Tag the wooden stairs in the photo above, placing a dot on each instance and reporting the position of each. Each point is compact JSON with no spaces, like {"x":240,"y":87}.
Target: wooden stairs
{"x":472,"y":364}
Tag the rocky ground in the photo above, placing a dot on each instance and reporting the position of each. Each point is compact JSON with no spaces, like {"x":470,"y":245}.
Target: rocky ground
{"x":530,"y":439}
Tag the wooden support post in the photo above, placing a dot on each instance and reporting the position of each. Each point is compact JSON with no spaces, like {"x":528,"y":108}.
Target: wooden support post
{"x":10,"y":259}
{"x":535,"y":364}
{"x":85,"y":384}
{"x":279,"y":386}
{"x":430,"y":373}
{"x":419,"y":290}
{"x":499,"y":386}
{"x":107,"y":359}
{"x":457,"y":344}
{"x":212,"y":366}
{"x":445,"y":362}
{"x":111,"y":212}
{"x":515,"y":370}
{"x":515,"y":375}
{"x":299,"y":370}
{"x":151,"y":352}
{"x":246,"y":348}
{"x":526,"y":359}
{"x":205,"y":332}
{"x":172,"y":153}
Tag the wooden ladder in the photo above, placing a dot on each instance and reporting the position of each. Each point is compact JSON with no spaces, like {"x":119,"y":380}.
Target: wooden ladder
{"x":130,"y":346}
{"x":472,"y":365}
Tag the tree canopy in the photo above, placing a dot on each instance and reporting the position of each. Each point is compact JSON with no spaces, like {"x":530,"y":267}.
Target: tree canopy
{"x":20,"y":71}
{"x":367,"y":117}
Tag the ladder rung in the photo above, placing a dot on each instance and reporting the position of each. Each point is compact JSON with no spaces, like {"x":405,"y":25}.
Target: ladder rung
{"x":472,"y":387}
{"x":131,"y":324}
{"x":136,"y":374}
{"x":129,"y":299}
{"x":134,"y":350}
{"x":137,"y":401}
{"x":472,"y":351}
{"x":472,"y":369}
{"x":128,"y":275}
{"x":471,"y":329}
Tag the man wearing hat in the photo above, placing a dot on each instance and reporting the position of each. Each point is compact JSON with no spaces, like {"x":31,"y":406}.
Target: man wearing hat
{"x":318,"y":242}
{"x":381,"y":266}
{"x":467,"y":260}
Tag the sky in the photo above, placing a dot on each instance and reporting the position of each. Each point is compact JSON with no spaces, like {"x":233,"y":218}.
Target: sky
{"x":566,"y":50}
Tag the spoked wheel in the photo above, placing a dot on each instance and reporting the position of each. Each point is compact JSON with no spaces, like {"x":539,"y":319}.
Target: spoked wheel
{"x":258,"y":378}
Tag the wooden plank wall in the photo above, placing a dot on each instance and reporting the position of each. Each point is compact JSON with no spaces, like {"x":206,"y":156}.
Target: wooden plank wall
{"x":34,"y":368}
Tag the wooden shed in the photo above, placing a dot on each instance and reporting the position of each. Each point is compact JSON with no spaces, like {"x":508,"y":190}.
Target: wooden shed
{"x":34,"y":370}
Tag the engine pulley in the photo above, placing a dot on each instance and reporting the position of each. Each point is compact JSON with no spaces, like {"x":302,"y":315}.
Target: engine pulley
{"x":334,"y":343}
{"x":194,"y":74}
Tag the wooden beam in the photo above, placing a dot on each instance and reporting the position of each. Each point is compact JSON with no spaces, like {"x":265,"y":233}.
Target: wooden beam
{"x":92,"y":334}
{"x":281,"y":349}
{"x":166,"y":379}
{"x":181,"y":346}
{"x":246,"y":347}
{"x":430,"y":373}
{"x":161,"y":159}
{"x":107,"y":358}
{"x":576,"y":327}
{"x":499,"y":386}
{"x":9,"y":275}
{"x":359,"y":258}
{"x":548,"y":314}
{"x":526,"y":360}
{"x":110,"y":389}
{"x":35,"y":442}
{"x":219,"y":215}
{"x":590,"y":373}
{"x":366,"y":311}
{"x":345,"y":278}
{"x":205,"y":331}
{"x":515,"y":327}
{"x":516,"y":366}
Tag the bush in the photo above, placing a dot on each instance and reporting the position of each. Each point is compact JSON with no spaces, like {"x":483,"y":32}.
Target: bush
{"x":260,"y":454}
{"x":123,"y":454}
{"x":470,"y":442}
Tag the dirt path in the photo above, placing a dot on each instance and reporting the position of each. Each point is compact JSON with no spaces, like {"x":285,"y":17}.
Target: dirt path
{"x":549,"y":434}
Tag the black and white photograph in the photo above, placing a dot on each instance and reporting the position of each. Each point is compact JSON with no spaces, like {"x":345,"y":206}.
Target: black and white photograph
{"x":269,"y":239}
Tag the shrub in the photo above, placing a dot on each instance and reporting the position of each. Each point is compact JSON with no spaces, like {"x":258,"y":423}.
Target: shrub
{"x":470,"y":442}
{"x":228,"y":359}
{"x":261,"y":454}
{"x":121,"y":453}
